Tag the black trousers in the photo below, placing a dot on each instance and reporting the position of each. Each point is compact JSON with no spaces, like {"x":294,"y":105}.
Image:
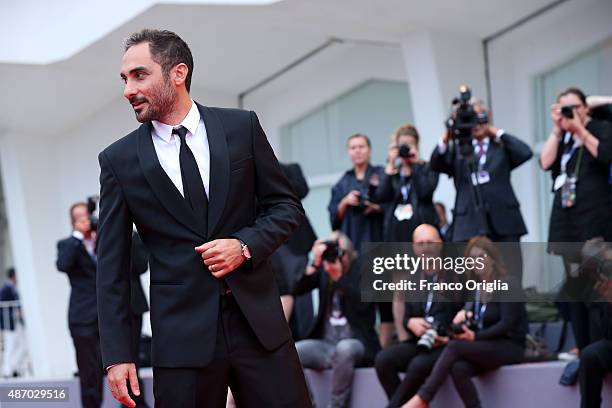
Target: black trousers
{"x":464,"y":359}
{"x":595,"y":362}
{"x":89,"y":363}
{"x":256,"y":376}
{"x":404,"y":357}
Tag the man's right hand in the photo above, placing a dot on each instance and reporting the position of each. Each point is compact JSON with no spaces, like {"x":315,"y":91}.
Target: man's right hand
{"x":117,"y":376}
{"x":418,"y":326}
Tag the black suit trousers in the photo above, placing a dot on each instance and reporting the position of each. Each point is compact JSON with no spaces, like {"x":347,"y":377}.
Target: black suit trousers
{"x":257,"y":377}
{"x":89,"y":363}
{"x":407,"y":358}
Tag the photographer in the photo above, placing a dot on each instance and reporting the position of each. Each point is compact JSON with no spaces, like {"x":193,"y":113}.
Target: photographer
{"x":351,"y":208}
{"x":417,"y":355}
{"x":343,"y":336}
{"x":596,"y":358}
{"x":493,"y":332}
{"x":353,"y":211}
{"x":479,"y":157}
{"x":578,"y":153}
{"x":76,"y":256}
{"x":407,"y":185}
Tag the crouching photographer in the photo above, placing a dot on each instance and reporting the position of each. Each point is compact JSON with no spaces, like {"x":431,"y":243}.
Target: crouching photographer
{"x":488,"y":333}
{"x":427,"y":322}
{"x":343,"y":335}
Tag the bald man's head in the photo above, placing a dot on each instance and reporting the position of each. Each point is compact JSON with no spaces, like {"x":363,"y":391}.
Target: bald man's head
{"x":425,"y":233}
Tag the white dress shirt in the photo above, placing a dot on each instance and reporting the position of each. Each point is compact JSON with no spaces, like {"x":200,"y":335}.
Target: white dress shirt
{"x":167,"y":147}
{"x":485,"y":146}
{"x":88,"y":243}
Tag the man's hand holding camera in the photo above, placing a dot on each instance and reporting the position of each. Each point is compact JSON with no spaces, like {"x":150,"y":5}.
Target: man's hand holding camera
{"x":461,"y":318}
{"x":323,"y":254}
{"x":418,"y":326}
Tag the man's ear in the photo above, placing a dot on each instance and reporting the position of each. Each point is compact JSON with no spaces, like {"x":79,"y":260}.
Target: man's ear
{"x":179,"y":74}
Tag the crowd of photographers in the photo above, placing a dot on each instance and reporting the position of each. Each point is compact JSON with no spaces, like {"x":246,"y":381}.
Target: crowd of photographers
{"x":431,"y":339}
{"x":443,"y":335}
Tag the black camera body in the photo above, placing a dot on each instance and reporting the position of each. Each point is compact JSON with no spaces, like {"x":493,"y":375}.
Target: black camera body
{"x":405,"y":151}
{"x":332,"y":251}
{"x":463,"y":120}
{"x":567,"y":111}
{"x":92,"y":209}
{"x":469,"y":323}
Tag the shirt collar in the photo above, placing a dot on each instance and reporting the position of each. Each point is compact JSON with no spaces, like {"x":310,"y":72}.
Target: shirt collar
{"x":485,"y":141}
{"x":191,"y":122}
{"x":78,"y":235}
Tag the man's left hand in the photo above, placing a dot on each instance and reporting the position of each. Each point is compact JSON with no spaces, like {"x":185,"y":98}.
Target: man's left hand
{"x":221,"y":256}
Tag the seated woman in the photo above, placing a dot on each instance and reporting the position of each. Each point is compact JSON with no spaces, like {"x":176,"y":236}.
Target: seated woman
{"x":495,"y":336}
{"x":417,"y":355}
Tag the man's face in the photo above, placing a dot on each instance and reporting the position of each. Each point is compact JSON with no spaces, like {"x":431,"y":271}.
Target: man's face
{"x":481,"y":130}
{"x":80,"y":219}
{"x":150,"y":93}
{"x":358,"y":151}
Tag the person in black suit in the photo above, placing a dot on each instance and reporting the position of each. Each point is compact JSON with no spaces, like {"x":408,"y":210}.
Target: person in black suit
{"x":578,"y":154}
{"x":343,"y":335}
{"x":485,"y":203}
{"x":496,"y":154}
{"x":76,"y":256}
{"x":210,"y":203}
{"x":437,"y":308}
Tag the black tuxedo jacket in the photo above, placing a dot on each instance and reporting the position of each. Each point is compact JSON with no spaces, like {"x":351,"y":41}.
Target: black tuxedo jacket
{"x":244,"y":177}
{"x":75,"y":261}
{"x":140,"y":264}
{"x":500,"y":204}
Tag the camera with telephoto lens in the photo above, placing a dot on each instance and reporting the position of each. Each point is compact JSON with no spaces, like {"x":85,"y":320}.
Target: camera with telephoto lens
{"x":428,"y":339}
{"x":463,"y":119}
{"x":92,"y":209}
{"x":332,"y":251}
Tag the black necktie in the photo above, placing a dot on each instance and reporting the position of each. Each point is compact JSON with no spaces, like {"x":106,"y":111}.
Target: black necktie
{"x":193,"y":187}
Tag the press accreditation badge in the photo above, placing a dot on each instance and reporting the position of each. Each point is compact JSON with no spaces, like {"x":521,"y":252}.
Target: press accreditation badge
{"x":560,"y":181}
{"x":481,"y":177}
{"x":403,"y":212}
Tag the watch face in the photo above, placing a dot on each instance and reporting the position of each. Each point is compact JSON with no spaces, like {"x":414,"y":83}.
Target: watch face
{"x":246,"y":252}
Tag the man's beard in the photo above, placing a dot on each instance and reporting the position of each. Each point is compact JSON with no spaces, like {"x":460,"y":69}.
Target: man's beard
{"x":161,"y":103}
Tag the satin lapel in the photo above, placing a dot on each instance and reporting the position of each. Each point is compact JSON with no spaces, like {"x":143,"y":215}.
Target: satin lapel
{"x":219,"y":167}
{"x":163,"y":188}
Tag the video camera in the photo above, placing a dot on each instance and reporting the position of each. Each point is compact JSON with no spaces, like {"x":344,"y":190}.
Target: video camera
{"x":463,"y":119}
